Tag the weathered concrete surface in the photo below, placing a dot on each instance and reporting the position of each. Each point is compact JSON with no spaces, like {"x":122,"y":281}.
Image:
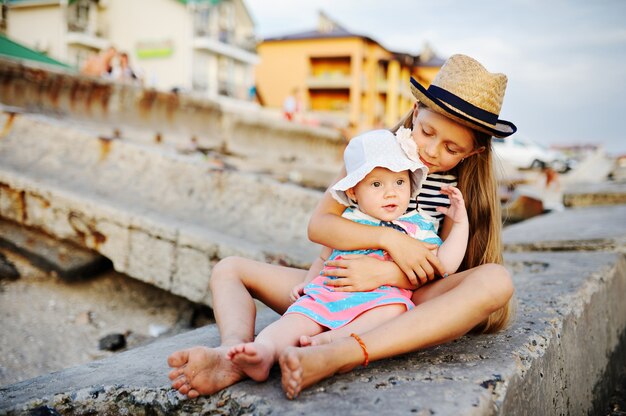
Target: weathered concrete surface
{"x":607,"y":193}
{"x":68,"y":261}
{"x":570,"y":318}
{"x":159,"y":216}
{"x":588,"y":228}
{"x":167,"y":116}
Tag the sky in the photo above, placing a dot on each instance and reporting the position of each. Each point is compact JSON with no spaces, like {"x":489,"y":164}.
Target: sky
{"x":565,"y":60}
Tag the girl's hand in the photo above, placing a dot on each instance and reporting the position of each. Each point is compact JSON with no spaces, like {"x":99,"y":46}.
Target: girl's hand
{"x":297,"y":291}
{"x":457,"y":211}
{"x":415,"y":258}
{"x":355,"y":273}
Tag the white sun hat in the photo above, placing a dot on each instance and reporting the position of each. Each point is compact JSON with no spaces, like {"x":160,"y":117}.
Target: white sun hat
{"x":379,"y":148}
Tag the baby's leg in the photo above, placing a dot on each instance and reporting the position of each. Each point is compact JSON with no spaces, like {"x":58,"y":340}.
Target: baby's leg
{"x":362,"y":323}
{"x":256,"y":358}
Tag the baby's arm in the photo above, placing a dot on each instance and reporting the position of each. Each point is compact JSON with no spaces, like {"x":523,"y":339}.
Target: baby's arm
{"x":314,"y":271}
{"x":452,"y":251}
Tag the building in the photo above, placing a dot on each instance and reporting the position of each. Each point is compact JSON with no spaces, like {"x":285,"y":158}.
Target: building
{"x":205,"y":46}
{"x":341,"y":76}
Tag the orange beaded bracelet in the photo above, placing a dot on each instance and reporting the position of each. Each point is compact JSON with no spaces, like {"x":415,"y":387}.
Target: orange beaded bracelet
{"x":366,"y":361}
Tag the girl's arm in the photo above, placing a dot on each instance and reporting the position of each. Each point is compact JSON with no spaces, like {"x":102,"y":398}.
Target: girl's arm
{"x":444,"y":227}
{"x":413,"y":257}
{"x":360,"y":273}
{"x":456,"y":231}
{"x":328,"y":228}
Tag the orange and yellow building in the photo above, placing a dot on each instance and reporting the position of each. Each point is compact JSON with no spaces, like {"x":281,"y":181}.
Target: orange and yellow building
{"x":346,"y":78}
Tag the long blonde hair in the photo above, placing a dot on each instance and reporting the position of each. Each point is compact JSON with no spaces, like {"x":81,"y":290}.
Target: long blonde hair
{"x":477,"y":182}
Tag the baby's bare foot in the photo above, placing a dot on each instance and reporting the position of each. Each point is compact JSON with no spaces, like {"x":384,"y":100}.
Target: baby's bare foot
{"x":319,"y":339}
{"x":202,"y":371}
{"x":253,"y":358}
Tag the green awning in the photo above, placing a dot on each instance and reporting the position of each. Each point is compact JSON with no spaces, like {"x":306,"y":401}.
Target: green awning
{"x":11,"y":49}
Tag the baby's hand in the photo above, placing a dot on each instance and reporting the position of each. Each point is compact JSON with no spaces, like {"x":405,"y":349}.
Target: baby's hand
{"x":456,"y":211}
{"x":297,"y":291}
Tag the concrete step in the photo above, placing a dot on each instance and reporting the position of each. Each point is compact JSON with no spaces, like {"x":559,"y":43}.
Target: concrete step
{"x":594,"y":228}
{"x":164,"y":116}
{"x":587,"y":194}
{"x":159,"y":216}
{"x":68,"y":261}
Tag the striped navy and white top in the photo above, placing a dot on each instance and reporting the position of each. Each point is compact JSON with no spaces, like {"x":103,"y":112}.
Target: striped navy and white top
{"x":430,"y":197}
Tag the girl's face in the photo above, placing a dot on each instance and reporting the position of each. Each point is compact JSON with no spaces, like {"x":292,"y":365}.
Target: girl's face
{"x":442,"y":143}
{"x":383,"y":194}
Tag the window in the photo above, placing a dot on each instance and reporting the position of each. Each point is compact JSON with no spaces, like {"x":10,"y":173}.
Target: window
{"x":78,"y":16}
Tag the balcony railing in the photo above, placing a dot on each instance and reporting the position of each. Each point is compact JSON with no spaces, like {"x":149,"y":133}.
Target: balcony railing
{"x":331,"y":81}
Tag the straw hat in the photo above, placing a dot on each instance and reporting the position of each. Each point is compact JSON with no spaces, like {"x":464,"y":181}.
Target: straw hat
{"x":466,"y":92}
{"x":376,"y":148}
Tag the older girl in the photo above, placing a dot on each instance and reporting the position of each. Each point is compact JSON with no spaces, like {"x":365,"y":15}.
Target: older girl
{"x":452,"y":124}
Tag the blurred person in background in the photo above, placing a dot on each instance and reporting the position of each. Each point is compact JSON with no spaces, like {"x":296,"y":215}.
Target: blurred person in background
{"x":101,"y":64}
{"x":123,"y":71}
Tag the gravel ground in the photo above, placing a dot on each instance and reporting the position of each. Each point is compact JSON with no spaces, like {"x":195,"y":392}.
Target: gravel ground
{"x":48,"y":324}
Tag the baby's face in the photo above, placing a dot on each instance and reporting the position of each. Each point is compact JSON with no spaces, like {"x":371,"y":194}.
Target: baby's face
{"x":383,"y":194}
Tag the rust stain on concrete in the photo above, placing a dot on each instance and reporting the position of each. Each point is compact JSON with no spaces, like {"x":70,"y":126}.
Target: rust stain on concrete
{"x":86,"y":230}
{"x":7,"y":125}
{"x":172,"y":102}
{"x":100,"y":94}
{"x":17,"y":203}
{"x":105,"y":147}
{"x":22,"y":205}
{"x":54,"y":91}
{"x":146,"y":102}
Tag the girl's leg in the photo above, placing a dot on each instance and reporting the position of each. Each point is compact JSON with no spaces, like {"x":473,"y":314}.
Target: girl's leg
{"x":256,"y":358}
{"x":234,"y":282}
{"x":362,"y":323}
{"x":238,"y":281}
{"x":452,"y":307}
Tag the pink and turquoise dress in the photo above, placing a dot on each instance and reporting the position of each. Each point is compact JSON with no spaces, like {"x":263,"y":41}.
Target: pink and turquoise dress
{"x":336,"y":309}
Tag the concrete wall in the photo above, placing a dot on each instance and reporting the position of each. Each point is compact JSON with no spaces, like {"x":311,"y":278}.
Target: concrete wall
{"x":171,"y":117}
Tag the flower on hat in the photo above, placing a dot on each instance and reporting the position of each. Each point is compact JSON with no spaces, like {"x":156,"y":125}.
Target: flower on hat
{"x":406,"y":142}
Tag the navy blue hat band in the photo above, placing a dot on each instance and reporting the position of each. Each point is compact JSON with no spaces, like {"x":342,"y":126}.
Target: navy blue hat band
{"x":460,"y":104}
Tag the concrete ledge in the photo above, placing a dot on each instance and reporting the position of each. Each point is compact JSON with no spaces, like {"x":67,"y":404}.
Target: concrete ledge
{"x":571,"y":318}
{"x":159,"y":216}
{"x":169,"y":116}
{"x":68,"y":261}
{"x":593,"y":228}
{"x":584,"y":195}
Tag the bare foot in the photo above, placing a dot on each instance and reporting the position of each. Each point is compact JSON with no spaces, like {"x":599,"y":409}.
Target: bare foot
{"x":319,"y":339}
{"x":253,"y":358}
{"x":303,"y":367}
{"x":202,"y":371}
